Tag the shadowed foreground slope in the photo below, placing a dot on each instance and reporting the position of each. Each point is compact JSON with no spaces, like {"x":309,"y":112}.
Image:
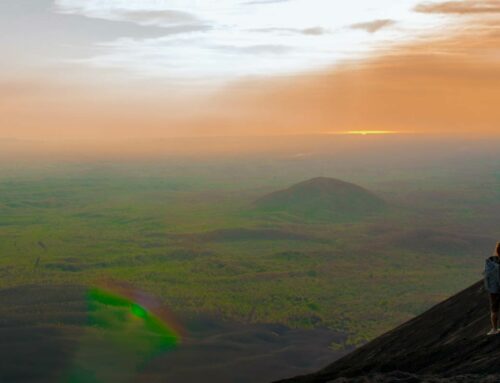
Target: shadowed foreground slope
{"x":63,"y":334}
{"x":445,"y":344}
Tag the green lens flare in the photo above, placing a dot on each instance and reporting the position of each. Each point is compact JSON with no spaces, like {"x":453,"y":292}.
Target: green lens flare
{"x":122,"y":336}
{"x":138,"y":311}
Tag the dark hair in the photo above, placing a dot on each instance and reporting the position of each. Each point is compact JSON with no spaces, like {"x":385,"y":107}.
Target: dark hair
{"x":497,"y":249}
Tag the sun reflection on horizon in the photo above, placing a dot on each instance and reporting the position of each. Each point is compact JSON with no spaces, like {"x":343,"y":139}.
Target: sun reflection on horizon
{"x":370,"y":132}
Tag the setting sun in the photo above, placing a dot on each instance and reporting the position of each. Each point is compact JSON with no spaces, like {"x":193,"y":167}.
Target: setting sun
{"x":370,"y":132}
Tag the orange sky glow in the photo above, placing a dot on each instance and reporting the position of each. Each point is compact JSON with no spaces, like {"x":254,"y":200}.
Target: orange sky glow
{"x":444,"y":81}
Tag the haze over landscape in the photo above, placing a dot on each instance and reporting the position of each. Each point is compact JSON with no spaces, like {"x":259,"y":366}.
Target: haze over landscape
{"x":247,"y":190}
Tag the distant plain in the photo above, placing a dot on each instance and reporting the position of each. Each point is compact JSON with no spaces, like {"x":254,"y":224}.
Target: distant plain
{"x":186,"y":230}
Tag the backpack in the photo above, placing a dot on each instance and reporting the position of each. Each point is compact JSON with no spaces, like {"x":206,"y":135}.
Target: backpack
{"x":492,"y":275}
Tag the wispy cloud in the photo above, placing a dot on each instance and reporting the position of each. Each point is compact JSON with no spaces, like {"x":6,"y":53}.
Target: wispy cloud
{"x":256,"y":49}
{"x":313,"y":31}
{"x":160,"y":17}
{"x":259,"y":37}
{"x":258,"y":2}
{"x":373,"y":26}
{"x":461,"y":7}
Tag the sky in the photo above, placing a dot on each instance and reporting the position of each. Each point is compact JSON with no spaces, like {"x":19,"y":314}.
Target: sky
{"x":110,"y":70}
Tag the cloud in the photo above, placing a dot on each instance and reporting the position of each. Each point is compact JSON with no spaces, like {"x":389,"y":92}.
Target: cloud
{"x":258,"y":2}
{"x":160,"y":17}
{"x":288,"y":37}
{"x":461,"y":7}
{"x":35,"y":35}
{"x":447,"y":85}
{"x":131,"y":12}
{"x":312,"y":31}
{"x":205,"y":57}
{"x":373,"y":26}
{"x":256,"y":49}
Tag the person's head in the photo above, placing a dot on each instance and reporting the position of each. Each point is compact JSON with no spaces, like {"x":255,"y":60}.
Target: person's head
{"x":497,"y":249}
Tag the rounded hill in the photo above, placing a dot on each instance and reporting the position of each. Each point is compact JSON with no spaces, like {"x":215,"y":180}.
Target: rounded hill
{"x":322,"y":198}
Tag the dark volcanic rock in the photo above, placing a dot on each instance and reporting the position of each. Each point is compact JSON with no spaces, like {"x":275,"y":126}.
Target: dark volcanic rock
{"x":45,"y":332}
{"x":402,"y":377}
{"x":221,"y":352}
{"x":448,"y":343}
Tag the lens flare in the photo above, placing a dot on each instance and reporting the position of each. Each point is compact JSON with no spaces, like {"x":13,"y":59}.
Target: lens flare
{"x":126,"y":329}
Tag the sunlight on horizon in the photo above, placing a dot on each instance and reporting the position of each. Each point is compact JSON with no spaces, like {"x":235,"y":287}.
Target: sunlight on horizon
{"x":368,"y":132}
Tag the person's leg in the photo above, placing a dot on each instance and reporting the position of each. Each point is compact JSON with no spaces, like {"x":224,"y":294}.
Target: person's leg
{"x":494,"y":307}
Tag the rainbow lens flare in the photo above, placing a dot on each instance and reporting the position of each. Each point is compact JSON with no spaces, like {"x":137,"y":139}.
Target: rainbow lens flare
{"x":126,"y":329}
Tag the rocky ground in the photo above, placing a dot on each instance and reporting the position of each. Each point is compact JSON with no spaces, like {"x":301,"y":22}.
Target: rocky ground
{"x":448,"y":343}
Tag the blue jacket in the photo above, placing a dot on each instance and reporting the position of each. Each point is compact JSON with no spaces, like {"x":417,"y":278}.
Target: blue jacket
{"x":492,"y":274}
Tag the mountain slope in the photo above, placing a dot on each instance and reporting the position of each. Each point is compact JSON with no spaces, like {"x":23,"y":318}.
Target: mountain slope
{"x":322,"y":198}
{"x":445,"y":344}
{"x":50,"y":334}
